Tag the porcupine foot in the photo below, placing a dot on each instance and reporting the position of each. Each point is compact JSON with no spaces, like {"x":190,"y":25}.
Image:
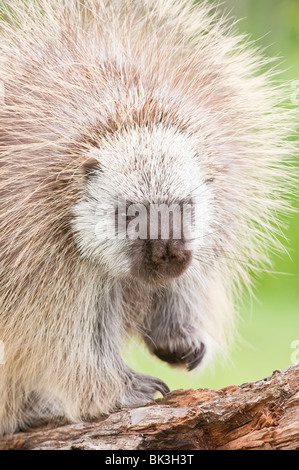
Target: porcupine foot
{"x":183,"y":348}
{"x":141,"y":389}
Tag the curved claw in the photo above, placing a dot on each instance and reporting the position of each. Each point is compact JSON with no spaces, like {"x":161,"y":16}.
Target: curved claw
{"x":162,"y":387}
{"x":192,"y":352}
{"x":198,"y":359}
{"x":152,"y":385}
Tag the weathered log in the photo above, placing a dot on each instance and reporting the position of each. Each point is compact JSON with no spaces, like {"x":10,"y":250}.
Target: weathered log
{"x":260,"y":415}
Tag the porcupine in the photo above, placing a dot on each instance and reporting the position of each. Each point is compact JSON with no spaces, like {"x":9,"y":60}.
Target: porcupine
{"x":148,"y":102}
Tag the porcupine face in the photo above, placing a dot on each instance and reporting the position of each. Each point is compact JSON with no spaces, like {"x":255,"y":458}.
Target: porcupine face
{"x":147,"y":208}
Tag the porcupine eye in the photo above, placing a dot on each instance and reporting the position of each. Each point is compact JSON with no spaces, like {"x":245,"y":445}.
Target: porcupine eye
{"x":91,"y":167}
{"x":209,"y":180}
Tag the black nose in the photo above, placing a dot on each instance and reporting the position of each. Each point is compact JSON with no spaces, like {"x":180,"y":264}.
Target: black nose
{"x":159,"y":259}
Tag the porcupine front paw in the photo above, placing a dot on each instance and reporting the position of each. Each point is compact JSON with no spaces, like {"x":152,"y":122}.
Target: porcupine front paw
{"x":179,"y":348}
{"x":141,"y":389}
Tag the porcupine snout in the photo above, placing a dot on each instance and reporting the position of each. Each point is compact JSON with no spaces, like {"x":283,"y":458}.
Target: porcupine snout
{"x":164,"y":253}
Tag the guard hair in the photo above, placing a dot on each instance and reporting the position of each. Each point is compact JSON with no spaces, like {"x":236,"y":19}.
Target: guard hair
{"x":151,"y":102}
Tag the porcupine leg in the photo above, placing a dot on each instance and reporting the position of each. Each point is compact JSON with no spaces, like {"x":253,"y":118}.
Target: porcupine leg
{"x":135,"y":388}
{"x":173,"y":330}
{"x":95,"y":383}
{"x":20,"y":411}
{"x":128,"y":386}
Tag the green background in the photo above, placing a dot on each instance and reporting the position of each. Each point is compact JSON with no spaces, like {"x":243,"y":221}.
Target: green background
{"x":269,"y":324}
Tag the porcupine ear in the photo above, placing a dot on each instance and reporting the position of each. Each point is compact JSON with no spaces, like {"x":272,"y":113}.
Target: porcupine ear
{"x":91,"y":167}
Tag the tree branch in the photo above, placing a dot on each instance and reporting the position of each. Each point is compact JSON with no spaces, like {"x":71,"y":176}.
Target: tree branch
{"x":260,"y":415}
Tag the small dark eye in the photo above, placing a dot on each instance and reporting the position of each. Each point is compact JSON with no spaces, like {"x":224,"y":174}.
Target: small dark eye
{"x":91,"y":167}
{"x":209,"y":180}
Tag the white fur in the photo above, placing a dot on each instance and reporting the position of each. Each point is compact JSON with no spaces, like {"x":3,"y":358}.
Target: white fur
{"x":157,"y":166}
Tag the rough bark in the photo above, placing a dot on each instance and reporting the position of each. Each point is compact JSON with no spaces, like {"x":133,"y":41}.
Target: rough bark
{"x":260,"y":415}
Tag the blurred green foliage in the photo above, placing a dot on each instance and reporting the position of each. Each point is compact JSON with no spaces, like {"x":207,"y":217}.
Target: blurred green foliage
{"x":269,"y":325}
